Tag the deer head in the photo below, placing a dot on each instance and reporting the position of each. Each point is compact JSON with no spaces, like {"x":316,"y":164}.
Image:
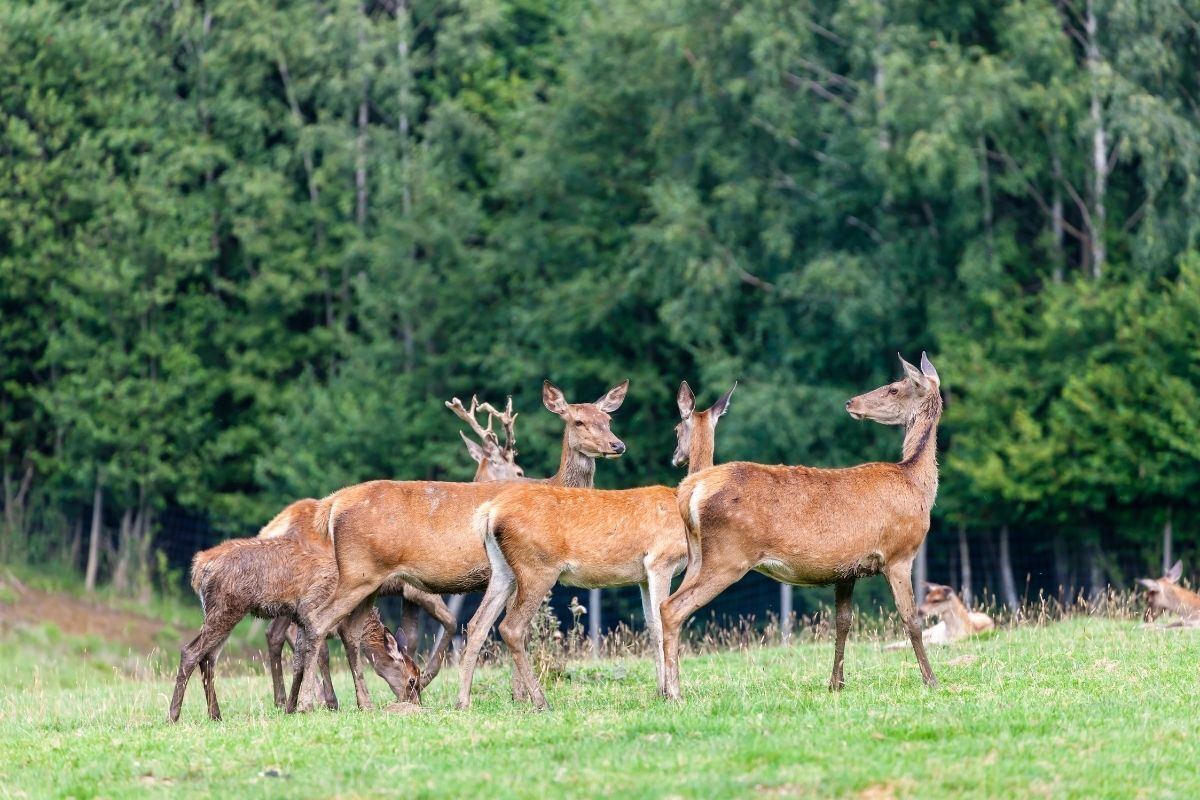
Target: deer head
{"x":901,"y":402}
{"x":394,"y":666}
{"x":587,"y":424}
{"x":1160,"y":593}
{"x":496,"y":463}
{"x":938,"y":599}
{"x":695,"y":423}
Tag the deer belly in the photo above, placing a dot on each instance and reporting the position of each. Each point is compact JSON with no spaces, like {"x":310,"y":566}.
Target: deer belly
{"x":600,"y":576}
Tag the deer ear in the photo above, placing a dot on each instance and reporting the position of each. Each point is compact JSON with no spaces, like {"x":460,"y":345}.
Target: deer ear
{"x":393,"y":644}
{"x":553,"y":399}
{"x":613,"y":398}
{"x":912,"y":373}
{"x":686,"y":400}
{"x":927,"y":369}
{"x":1149,"y":584}
{"x":474,"y":449}
{"x":720,"y":407}
{"x":1176,"y":572}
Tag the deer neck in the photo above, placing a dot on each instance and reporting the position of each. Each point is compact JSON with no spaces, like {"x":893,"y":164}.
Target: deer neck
{"x":958,"y":624}
{"x":574,"y":469}
{"x":920,"y":447}
{"x":702,"y":446}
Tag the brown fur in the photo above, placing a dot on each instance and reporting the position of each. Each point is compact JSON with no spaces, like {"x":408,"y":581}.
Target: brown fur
{"x":810,"y":526}
{"x":282,"y":576}
{"x":538,"y":535}
{"x":421,"y":531}
{"x":957,"y":621}
{"x":1166,"y":595}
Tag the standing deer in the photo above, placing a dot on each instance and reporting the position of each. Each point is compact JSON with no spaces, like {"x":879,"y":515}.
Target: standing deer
{"x":536,"y":536}
{"x":1165,"y":594}
{"x":494,"y":463}
{"x":813,"y":527}
{"x":957,"y":621}
{"x":271,"y":578}
{"x":421,"y":532}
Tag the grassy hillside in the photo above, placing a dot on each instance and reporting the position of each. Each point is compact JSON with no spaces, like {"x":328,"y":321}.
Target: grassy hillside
{"x":1083,"y":708}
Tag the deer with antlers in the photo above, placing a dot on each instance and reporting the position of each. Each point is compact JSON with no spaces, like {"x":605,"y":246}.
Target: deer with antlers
{"x":813,"y":527}
{"x":536,"y":536}
{"x":421,"y":532}
{"x":495,"y":463}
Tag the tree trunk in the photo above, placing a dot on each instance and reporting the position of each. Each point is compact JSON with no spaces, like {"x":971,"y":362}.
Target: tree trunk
{"x":921,"y":571}
{"x":964,"y":563}
{"x":1062,"y":568}
{"x":1056,"y":219}
{"x":1168,"y":535}
{"x":93,"y":561}
{"x":120,"y":578}
{"x":985,"y":188}
{"x":1008,"y":586}
{"x":76,"y":543}
{"x":1099,"y":146}
{"x":594,"y":620}
{"x":1095,"y":567}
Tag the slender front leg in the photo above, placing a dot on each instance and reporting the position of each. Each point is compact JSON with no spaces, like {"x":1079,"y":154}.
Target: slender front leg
{"x":277,"y":634}
{"x":843,"y":591}
{"x":714,"y":575}
{"x":900,"y":579}
{"x":331,"y":701}
{"x":351,"y":632}
{"x":654,"y":591}
{"x":207,"y":665}
{"x":314,"y":628}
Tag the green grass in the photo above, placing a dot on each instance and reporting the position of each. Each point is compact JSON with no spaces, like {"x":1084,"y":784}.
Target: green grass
{"x":1084,"y":708}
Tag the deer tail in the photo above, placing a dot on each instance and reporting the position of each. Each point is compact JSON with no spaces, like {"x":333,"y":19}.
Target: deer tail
{"x":689,"y":497}
{"x":481,"y":522}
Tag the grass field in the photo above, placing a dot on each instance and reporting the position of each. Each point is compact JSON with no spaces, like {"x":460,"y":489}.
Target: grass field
{"x":1082,"y":708}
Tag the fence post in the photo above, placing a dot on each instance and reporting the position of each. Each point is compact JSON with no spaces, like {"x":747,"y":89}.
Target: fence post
{"x":785,"y":612}
{"x":594,"y":620}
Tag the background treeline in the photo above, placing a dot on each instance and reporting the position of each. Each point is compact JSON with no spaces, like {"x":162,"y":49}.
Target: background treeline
{"x":247,"y":249}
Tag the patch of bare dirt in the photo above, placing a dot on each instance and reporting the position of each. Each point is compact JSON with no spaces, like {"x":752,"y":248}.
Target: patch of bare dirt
{"x":21,"y":605}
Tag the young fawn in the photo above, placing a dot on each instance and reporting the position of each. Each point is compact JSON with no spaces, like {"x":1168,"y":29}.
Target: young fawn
{"x":812,"y":527}
{"x":957,"y":621}
{"x":495,"y":463}
{"x":421,"y":532}
{"x":536,"y":536}
{"x":1165,"y":594}
{"x":271,"y":578}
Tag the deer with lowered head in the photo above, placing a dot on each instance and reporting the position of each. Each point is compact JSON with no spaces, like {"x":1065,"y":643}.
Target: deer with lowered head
{"x":421,"y":532}
{"x":957,"y":621}
{"x":495,"y":462}
{"x":1165,"y":594}
{"x":536,"y":536}
{"x":270,"y":578}
{"x":813,"y":527}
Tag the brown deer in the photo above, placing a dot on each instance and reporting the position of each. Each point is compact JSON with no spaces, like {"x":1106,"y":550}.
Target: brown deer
{"x":536,"y":536}
{"x":494,"y":463}
{"x":813,"y":527}
{"x":957,"y":621}
{"x":421,"y":532}
{"x":1165,"y":594}
{"x":272,"y":578}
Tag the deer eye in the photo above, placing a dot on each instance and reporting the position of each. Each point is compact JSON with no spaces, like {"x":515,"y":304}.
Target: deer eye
{"x":893,"y":390}
{"x":578,"y":423}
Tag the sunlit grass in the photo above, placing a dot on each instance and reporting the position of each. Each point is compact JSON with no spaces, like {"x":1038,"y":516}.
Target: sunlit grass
{"x":1082,"y":708}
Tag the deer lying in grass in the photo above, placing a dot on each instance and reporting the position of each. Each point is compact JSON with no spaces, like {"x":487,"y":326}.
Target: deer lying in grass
{"x":421,"y":532}
{"x":1165,"y":594}
{"x":957,"y":621}
{"x":813,"y":527}
{"x":536,"y":536}
{"x":495,"y":462}
{"x":272,"y":578}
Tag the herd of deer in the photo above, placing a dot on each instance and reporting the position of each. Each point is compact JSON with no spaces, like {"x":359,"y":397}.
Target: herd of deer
{"x":317,"y":566}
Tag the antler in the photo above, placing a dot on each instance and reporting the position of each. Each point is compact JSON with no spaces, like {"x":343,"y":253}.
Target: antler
{"x":468,"y":416}
{"x":508,"y":419}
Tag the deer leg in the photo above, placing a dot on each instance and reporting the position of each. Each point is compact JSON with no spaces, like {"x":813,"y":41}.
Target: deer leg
{"x":207,"y":665}
{"x":900,"y":579}
{"x":327,"y":692}
{"x":410,"y":619}
{"x":698,"y":589}
{"x":351,"y":631}
{"x":212,"y":635}
{"x":436,"y":607}
{"x":314,"y":629}
{"x":514,"y":630}
{"x":500,"y":589}
{"x":654,"y":589}
{"x":277,"y":634}
{"x":845,"y":615}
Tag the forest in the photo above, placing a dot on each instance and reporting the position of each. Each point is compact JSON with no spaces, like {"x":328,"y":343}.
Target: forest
{"x":249,"y":247}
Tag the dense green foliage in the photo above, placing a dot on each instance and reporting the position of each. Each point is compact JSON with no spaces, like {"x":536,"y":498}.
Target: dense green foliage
{"x":1085,"y":708}
{"x":248,"y":248}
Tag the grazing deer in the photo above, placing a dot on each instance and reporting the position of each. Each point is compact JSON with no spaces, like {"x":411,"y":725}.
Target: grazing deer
{"x":813,"y":527}
{"x":957,"y":621}
{"x":494,"y":463}
{"x":271,"y":578}
{"x":536,"y":536}
{"x":1165,"y":594}
{"x":421,"y":532}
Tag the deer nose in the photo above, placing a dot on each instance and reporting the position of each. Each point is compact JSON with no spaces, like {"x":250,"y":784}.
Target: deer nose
{"x":848,"y":402}
{"x":618,"y":447}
